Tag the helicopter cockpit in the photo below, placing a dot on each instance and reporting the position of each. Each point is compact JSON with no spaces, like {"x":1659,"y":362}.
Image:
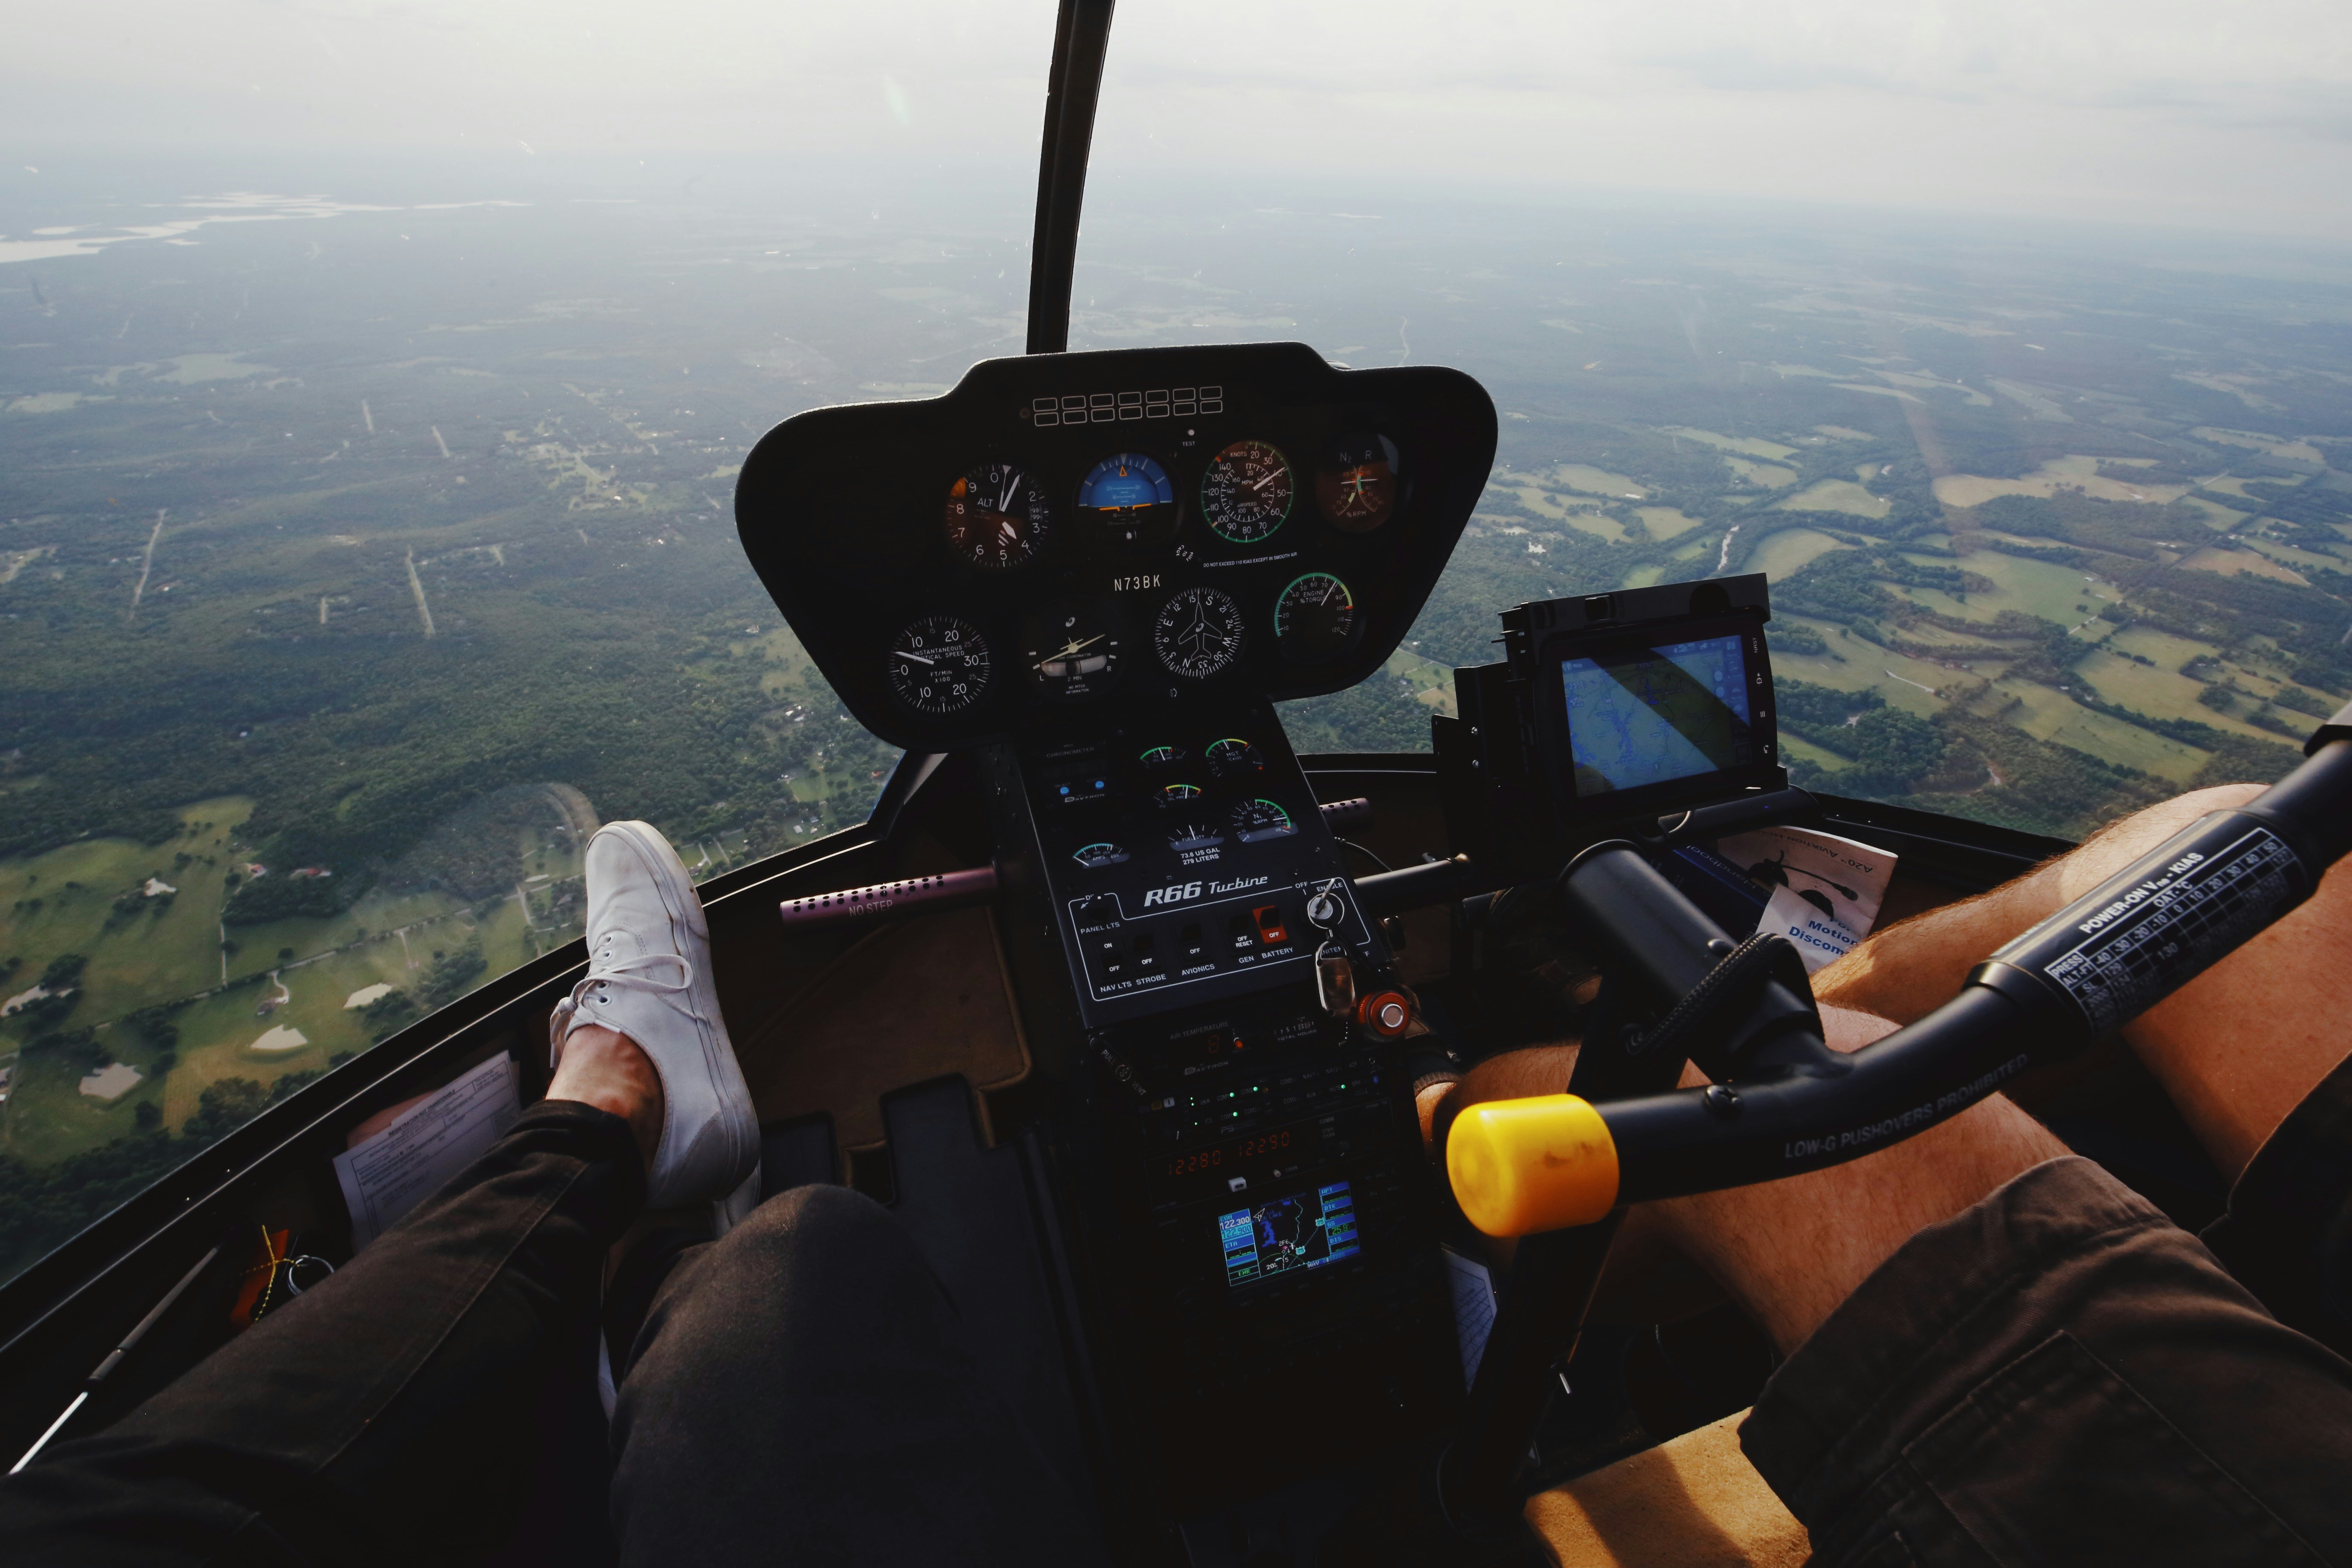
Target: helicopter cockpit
{"x":1127,"y":1009}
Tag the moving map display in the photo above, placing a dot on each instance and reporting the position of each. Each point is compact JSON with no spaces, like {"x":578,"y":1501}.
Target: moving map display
{"x":1652,"y":714}
{"x":1301,"y":1230}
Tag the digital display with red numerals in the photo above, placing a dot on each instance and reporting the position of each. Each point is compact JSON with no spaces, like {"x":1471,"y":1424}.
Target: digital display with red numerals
{"x":1234,"y":1152}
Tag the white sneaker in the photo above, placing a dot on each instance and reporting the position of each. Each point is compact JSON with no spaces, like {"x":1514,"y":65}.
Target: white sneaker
{"x":649,"y":978}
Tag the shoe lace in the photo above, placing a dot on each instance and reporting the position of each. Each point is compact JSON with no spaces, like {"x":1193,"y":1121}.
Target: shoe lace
{"x":628,"y":974}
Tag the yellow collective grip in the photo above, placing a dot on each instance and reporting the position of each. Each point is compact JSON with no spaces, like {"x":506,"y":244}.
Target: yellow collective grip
{"x":1524,"y":1165}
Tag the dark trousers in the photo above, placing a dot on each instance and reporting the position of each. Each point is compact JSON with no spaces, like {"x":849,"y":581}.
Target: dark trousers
{"x":799,"y":1392}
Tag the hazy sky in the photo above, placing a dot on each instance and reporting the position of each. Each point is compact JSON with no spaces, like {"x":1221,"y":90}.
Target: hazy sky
{"x":2193,"y":112}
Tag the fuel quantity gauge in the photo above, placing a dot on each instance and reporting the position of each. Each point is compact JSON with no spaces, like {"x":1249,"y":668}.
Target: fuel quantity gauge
{"x":997,"y":516}
{"x":1188,"y":837}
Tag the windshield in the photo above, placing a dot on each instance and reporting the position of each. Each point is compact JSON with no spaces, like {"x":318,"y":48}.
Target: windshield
{"x":2007,"y":343}
{"x":368,"y":534}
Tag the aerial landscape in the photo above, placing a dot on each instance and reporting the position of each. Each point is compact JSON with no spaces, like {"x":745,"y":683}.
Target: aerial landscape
{"x":360,"y":551}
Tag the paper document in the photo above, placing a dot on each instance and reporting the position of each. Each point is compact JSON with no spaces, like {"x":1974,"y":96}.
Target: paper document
{"x":1826,"y":890}
{"x":409,"y":1159}
{"x":1473,"y":1288}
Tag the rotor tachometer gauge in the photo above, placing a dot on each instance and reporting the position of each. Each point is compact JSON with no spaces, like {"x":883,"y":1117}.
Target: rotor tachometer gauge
{"x":1234,"y":758}
{"x":1245,"y":493}
{"x":1314,"y":618}
{"x":1198,"y":633}
{"x":939,"y":665}
{"x":997,"y":516}
{"x":1072,"y":649}
{"x":1095,"y":857}
{"x":1355,"y":484}
{"x":1188,"y":836}
{"x":1257,"y":820}
{"x":1129,"y":499}
{"x":1178,"y":796}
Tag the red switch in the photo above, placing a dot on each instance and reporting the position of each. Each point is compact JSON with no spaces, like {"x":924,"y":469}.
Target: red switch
{"x":1270,"y":929}
{"x":1385,"y":1013}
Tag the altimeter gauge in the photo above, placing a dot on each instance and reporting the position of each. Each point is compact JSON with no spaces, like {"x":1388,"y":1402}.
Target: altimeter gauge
{"x":1314,"y":618}
{"x":997,"y":516}
{"x":939,"y":664}
{"x":1072,"y":649}
{"x":1357,"y":484}
{"x":1245,"y":492}
{"x":1198,"y":633}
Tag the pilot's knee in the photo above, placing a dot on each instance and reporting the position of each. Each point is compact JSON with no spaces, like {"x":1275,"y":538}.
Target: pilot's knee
{"x":826,"y":1228}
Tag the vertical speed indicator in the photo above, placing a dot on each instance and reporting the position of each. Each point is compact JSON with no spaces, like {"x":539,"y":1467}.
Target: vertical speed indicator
{"x":939,"y":664}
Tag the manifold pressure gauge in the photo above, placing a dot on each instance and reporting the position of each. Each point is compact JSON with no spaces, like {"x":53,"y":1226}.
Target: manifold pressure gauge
{"x":939,"y":664}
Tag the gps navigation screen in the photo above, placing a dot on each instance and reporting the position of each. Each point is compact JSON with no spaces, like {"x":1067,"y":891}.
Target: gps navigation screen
{"x":1651,"y":714}
{"x":1303,"y":1230}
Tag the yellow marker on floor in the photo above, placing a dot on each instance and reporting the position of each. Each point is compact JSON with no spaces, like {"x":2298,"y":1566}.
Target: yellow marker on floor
{"x":1519,"y":1166}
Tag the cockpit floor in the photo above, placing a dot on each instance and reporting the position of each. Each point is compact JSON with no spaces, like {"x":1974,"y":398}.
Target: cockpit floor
{"x":914,"y":1001}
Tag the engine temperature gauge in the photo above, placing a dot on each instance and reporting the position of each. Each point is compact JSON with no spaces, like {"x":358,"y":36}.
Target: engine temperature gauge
{"x":1245,"y":493}
{"x":997,"y":516}
{"x":1314,"y":618}
{"x":1256,"y":820}
{"x":1171,"y":796}
{"x":939,"y":665}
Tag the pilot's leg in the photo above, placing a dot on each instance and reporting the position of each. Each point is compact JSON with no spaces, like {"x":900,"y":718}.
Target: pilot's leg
{"x":1997,"y":1353}
{"x":385,"y":1415}
{"x":389,"y":1414}
{"x":802,"y":1391}
{"x":2265,"y":1033}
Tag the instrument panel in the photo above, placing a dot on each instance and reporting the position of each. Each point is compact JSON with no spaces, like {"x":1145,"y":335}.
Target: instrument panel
{"x":1026,"y":555}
